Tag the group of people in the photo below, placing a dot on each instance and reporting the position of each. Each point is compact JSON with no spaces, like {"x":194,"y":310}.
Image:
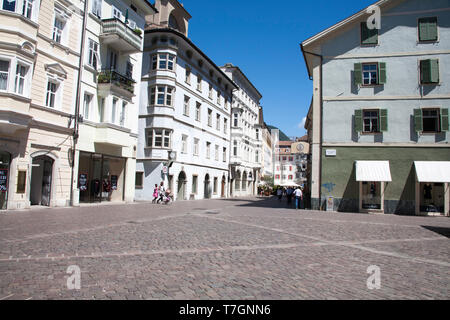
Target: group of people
{"x":291,"y":192}
{"x":160,"y":194}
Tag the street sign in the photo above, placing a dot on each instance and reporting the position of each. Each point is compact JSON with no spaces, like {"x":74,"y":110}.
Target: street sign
{"x":165,"y":169}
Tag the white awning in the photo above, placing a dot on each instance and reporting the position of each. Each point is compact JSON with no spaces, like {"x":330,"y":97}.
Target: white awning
{"x":433,"y":171}
{"x":373,"y":171}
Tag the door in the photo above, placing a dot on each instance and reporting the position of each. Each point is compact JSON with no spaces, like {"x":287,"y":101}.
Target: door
{"x":207,"y":191}
{"x":5,"y":160}
{"x":223,"y":188}
{"x":181,"y":186}
{"x":41,"y":181}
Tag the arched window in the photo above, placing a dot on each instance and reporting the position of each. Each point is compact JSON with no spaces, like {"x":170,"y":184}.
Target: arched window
{"x":173,"y":22}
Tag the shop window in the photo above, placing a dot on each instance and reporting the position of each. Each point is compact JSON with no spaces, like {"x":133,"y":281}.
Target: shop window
{"x":371,"y":195}
{"x":21,"y":181}
{"x":139,"y":180}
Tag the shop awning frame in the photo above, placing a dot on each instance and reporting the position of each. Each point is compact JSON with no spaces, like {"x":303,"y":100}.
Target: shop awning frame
{"x":373,"y":171}
{"x":432,"y":171}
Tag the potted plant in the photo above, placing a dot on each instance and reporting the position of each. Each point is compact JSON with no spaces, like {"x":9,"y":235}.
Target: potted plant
{"x":138,"y":31}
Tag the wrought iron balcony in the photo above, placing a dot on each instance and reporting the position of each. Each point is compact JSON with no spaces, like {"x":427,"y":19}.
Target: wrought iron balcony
{"x":109,"y":76}
{"x":117,"y":34}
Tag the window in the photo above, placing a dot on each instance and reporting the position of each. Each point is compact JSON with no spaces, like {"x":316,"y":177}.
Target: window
{"x":226,"y":103}
{"x":369,"y":74}
{"x":217,"y":153}
{"x":208,"y":150}
{"x":158,"y":138}
{"x":198,"y":111}
{"x":101,"y":109}
{"x":219,"y":99}
{"x":196,"y":146}
{"x":97,"y":8}
{"x":112,"y":59}
{"x":21,"y":72}
{"x":163,"y":61}
{"x":257,"y":134}
{"x":87,"y":105}
{"x":116,"y":13}
{"x":27,"y":8}
{"x":199,"y":83}
{"x":235,"y":148}
{"x":184,"y":144}
{"x":224,"y":154}
{"x":210,"y":95}
{"x":291,"y":158}
{"x":290,"y":177}
{"x":257,"y":156}
{"x":235,"y":120}
{"x":225,"y":125}
{"x":194,"y":184}
{"x":161,"y":96}
{"x":139,"y":180}
{"x":52,"y":88}
{"x":93,"y":54}
{"x":284,"y":158}
{"x":58,"y":28}
{"x":209,"y":117}
{"x":371,"y":121}
{"x":123,"y":114}
{"x":188,"y":75}
{"x":187,"y":102}
{"x":9,"y":5}
{"x":428,"y":29}
{"x":218,"y":122}
{"x":277,"y":176}
{"x":431,"y":120}
{"x":368,"y":36}
{"x":129,"y":72}
{"x":429,"y":71}
{"x":4,"y":71}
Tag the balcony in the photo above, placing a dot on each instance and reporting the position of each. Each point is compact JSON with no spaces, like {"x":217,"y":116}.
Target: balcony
{"x":112,"y":81}
{"x":118,"y":35}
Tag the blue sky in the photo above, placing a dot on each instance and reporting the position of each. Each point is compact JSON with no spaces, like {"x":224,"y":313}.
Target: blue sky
{"x":264,"y":42}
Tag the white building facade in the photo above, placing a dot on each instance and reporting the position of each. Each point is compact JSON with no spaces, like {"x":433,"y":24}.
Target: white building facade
{"x":246,"y":135}
{"x":184,"y":116}
{"x":105,"y":157}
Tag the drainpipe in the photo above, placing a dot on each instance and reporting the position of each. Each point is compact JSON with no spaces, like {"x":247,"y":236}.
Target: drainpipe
{"x":76,"y":116}
{"x":321,"y":113}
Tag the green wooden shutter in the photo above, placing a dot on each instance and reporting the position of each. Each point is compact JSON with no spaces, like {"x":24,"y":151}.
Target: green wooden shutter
{"x":434,"y":71}
{"x":382,"y":73}
{"x":432,"y":29}
{"x":358,"y":121}
{"x":418,"y":124}
{"x":444,"y":120}
{"x":423,"y":30}
{"x":383,"y":120}
{"x":358,"y":74}
{"x":425,"y":71}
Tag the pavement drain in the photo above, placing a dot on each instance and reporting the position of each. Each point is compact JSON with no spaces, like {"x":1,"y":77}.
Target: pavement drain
{"x":212,"y":212}
{"x":132,"y":222}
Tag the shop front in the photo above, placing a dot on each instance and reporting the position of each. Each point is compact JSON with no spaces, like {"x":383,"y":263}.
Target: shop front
{"x":432,"y":187}
{"x":101,"y":178}
{"x":372,"y":177}
{"x":5,"y":162}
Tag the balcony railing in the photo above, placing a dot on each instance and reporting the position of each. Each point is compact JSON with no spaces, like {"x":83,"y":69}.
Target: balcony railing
{"x":109,"y":76}
{"x":115,"y":26}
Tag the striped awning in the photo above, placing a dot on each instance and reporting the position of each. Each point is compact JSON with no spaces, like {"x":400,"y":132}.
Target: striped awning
{"x":373,"y":171}
{"x":433,"y":171}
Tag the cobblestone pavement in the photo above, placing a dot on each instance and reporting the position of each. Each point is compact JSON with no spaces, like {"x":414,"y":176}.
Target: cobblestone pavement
{"x":221,"y":249}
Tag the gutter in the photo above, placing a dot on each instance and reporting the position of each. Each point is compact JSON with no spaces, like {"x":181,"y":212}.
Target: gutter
{"x":76,"y":116}
{"x":321,"y":111}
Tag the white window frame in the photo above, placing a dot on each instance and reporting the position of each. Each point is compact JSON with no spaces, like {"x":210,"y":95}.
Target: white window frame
{"x":208,"y":150}
{"x":164,"y":134}
{"x":87,"y":108}
{"x":158,"y":59}
{"x":196,"y":146}
{"x":218,"y":122}
{"x":225,"y":126}
{"x":210,"y":112}
{"x":123,"y":114}
{"x":166,"y":92}
{"x":116,"y":13}
{"x":60,"y":14}
{"x":184,"y":144}
{"x":217,"y":152}
{"x":91,"y":54}
{"x":7,"y":73}
{"x":186,"y":106}
{"x":96,"y":8}
{"x":57,"y":94}
{"x":198,"y":112}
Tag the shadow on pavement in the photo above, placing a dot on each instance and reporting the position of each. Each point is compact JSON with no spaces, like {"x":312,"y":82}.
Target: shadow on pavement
{"x":264,"y":202}
{"x":439,"y":230}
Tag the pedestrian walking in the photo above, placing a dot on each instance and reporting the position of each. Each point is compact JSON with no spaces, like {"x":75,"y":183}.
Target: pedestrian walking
{"x":289,"y":193}
{"x":155,"y":194}
{"x":279,"y":193}
{"x":298,"y":194}
{"x":162,"y":192}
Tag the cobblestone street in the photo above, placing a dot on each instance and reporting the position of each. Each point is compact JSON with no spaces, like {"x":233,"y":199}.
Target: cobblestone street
{"x":221,"y":249}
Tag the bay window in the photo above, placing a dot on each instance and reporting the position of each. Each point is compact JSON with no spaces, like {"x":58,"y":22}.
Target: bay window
{"x":27,"y":8}
{"x":4,"y":71}
{"x":159,"y":138}
{"x":163,"y":61}
{"x":9,"y":5}
{"x":21,"y":72}
{"x":161,"y":95}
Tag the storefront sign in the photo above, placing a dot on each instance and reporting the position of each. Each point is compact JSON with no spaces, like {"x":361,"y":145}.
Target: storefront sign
{"x":3,"y":180}
{"x":114,"y":180}
{"x":83,"y":182}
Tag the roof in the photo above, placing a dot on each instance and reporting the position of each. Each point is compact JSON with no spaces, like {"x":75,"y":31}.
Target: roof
{"x":373,"y":171}
{"x":168,"y":30}
{"x":282,"y":135}
{"x":230,"y":65}
{"x":433,"y":171}
{"x":285,"y":143}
